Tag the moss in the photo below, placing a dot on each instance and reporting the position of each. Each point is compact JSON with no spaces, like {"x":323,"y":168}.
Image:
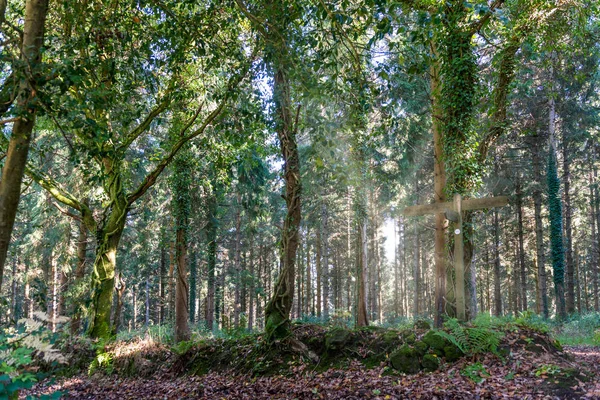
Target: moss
{"x":337,"y":338}
{"x":421,"y":348}
{"x":405,"y":360}
{"x":435,"y":341}
{"x":452,"y":353}
{"x":410,"y":338}
{"x":431,"y":362}
{"x":390,"y":337}
{"x":422,"y":325}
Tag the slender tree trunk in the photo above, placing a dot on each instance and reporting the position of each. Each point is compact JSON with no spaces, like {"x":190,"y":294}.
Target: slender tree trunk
{"x":569,"y":266}
{"x":523,"y":269}
{"x":147,"y":316}
{"x":396,"y":272}
{"x":577,"y":266}
{"x":20,"y":139}
{"x":319,"y":269}
{"x":325,"y":267}
{"x":211,"y":238}
{"x":162,"y":283}
{"x":539,"y":228}
{"x":237,"y":259}
{"x":13,"y":295}
{"x":361,"y":272}
{"x":79,"y":273}
{"x":252,"y":287}
{"x":309,"y":309}
{"x":193,"y":286}
{"x":594,"y":247}
{"x":497,"y":281}
{"x":120,"y":290}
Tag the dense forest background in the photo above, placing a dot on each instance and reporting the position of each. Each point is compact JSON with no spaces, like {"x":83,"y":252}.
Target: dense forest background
{"x":180,"y":157}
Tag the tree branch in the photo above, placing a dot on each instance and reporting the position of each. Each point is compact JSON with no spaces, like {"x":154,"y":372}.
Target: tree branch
{"x":150,"y":179}
{"x":477,"y":25}
{"x":61,"y":195}
{"x":141,"y":128}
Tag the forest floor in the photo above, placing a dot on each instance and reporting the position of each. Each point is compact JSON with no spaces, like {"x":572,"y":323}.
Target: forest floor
{"x":525,"y":374}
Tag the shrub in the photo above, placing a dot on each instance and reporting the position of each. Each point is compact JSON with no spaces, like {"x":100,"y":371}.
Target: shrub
{"x":22,"y":350}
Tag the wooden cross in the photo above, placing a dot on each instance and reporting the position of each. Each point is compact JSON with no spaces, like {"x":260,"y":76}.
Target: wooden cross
{"x":453,"y":212}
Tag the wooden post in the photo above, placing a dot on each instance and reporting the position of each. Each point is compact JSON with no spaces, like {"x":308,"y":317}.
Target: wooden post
{"x":459,"y":263}
{"x":453,"y":212}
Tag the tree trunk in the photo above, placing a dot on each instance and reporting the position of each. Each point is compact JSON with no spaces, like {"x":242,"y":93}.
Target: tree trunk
{"x":237,"y":259}
{"x":523,"y":269}
{"x":569,"y":266}
{"x":555,"y":214}
{"x":211,"y":238}
{"x":497,"y":281}
{"x":147,"y":316}
{"x":182,"y":329}
{"x":439,"y":183}
{"x":319,"y":268}
{"x":361,"y":273}
{"x":79,"y":273}
{"x":162,"y":283}
{"x":309,"y":309}
{"x":20,"y":139}
{"x":103,"y":282}
{"x":193,"y":286}
{"x":325,"y":266}
{"x":539,"y":228}
{"x":277,"y":323}
{"x":594,"y":247}
{"x":252,"y":287}
{"x":120,"y":290}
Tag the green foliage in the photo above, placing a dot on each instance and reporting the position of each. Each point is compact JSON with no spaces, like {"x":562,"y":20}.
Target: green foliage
{"x":475,"y":372}
{"x":21,"y":349}
{"x":547,"y":369}
{"x":458,"y":98}
{"x":103,"y":359}
{"x":482,"y":336}
{"x":528,"y":319}
{"x":580,"y":329}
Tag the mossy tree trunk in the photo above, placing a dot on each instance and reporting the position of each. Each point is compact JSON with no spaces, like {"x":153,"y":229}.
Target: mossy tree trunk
{"x":20,"y":139}
{"x":108,"y":237}
{"x":555,"y":216}
{"x":277,"y":322}
{"x":181,"y":182}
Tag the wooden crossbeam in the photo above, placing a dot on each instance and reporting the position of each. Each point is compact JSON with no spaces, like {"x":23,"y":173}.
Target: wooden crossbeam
{"x":453,"y":212}
{"x":470,"y":204}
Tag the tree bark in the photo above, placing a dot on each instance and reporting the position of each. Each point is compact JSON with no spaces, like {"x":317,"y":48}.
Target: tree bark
{"x":20,"y":140}
{"x":211,"y":238}
{"x":319,"y":276}
{"x":539,"y":228}
{"x":497,"y":281}
{"x":361,"y":272}
{"x":325,"y":268}
{"x":569,"y":266}
{"x":277,"y":313}
{"x":523,"y":268}
{"x":439,"y":183}
{"x":79,"y":273}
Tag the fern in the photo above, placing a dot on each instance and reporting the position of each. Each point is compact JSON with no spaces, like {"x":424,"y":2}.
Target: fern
{"x":473,"y":339}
